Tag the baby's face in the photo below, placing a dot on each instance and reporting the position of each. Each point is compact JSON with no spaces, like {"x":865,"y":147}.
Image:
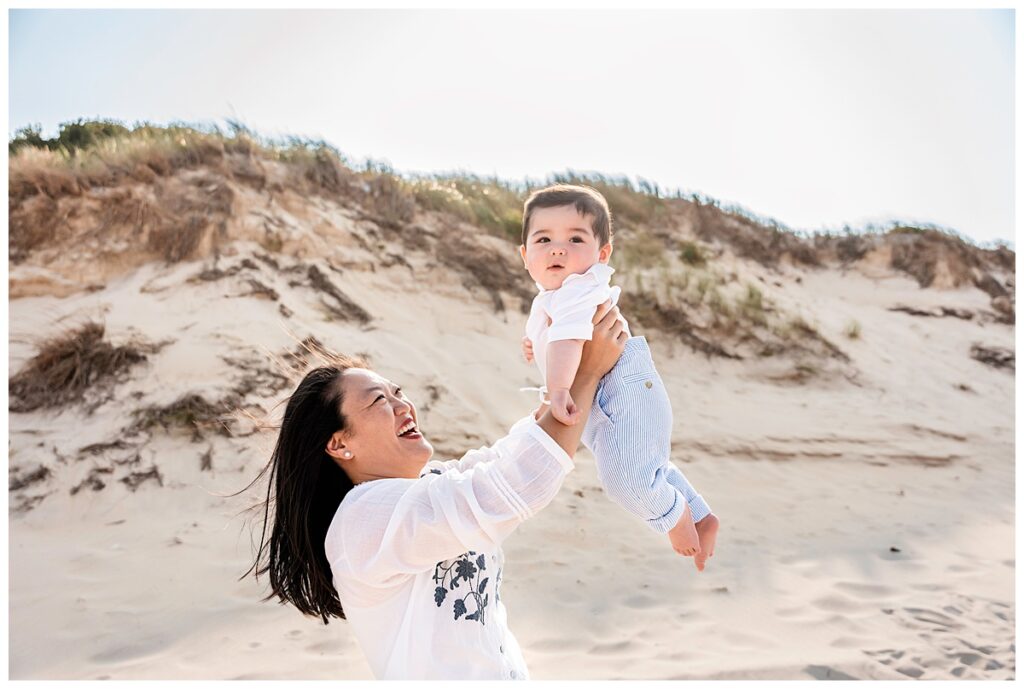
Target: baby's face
{"x":561,"y":242}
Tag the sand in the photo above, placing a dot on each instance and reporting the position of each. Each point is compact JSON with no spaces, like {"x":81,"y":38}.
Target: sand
{"x":867,"y":520}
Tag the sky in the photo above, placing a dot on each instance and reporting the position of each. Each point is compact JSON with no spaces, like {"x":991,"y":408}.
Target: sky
{"x":816,"y":118}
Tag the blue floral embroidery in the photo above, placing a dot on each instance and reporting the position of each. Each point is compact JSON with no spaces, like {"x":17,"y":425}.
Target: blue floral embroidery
{"x":450,"y":573}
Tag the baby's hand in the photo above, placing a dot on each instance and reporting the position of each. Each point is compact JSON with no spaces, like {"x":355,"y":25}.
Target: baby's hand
{"x":527,"y":350}
{"x":563,"y":408}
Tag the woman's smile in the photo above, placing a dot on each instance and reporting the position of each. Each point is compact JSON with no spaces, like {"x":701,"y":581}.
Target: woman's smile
{"x":409,"y":431}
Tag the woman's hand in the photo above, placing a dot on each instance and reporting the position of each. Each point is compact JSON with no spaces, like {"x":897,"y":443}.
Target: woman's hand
{"x":609,"y":340}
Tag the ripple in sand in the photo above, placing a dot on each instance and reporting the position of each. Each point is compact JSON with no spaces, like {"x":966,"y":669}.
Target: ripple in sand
{"x":615,"y":648}
{"x":129,"y":651}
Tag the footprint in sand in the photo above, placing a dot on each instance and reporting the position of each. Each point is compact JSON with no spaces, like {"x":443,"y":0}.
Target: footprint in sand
{"x":942,"y":654}
{"x":791,"y":612}
{"x":748,"y":640}
{"x":825,"y":672}
{"x":962,"y":568}
{"x":851,"y":642}
{"x":332,"y":646}
{"x":557,"y":645}
{"x":837,"y":603}
{"x":910,"y":671}
{"x":885,"y":656}
{"x":933,"y":617}
{"x":861,"y":590}
{"x":641,"y":602}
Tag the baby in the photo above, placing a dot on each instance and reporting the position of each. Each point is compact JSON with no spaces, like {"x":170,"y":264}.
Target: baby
{"x":566,"y":247}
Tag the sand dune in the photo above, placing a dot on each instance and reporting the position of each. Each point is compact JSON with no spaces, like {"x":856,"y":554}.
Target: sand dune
{"x":867,"y":508}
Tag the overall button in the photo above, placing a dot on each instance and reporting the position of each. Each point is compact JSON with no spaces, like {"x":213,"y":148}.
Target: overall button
{"x":648,"y":384}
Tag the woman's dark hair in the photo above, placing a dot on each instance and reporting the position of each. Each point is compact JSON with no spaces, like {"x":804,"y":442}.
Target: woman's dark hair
{"x":306,"y":487}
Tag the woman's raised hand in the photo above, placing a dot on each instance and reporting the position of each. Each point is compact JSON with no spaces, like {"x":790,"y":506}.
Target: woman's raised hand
{"x":609,"y":340}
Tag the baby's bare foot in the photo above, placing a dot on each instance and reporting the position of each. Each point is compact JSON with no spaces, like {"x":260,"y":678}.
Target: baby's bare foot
{"x":683,"y":535}
{"x":707,"y":531}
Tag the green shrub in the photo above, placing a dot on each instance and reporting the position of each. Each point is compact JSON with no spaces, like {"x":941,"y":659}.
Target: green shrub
{"x":692,"y":254}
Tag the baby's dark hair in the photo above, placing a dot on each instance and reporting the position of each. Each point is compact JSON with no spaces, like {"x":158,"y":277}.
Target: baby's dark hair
{"x":588,"y":201}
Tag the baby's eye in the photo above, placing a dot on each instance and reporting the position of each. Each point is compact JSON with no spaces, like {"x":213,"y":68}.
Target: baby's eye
{"x":541,"y":240}
{"x":578,"y":240}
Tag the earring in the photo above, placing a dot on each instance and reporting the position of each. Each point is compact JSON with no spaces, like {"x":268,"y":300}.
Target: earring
{"x":346,"y":454}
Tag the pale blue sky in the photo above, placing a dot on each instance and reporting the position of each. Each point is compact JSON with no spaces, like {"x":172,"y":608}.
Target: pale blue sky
{"x":813,"y":117}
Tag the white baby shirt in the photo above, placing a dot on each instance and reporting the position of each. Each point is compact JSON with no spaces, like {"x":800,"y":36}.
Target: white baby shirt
{"x":570,"y":309}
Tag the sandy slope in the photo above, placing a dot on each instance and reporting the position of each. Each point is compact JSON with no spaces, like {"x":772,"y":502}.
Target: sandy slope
{"x":816,"y":486}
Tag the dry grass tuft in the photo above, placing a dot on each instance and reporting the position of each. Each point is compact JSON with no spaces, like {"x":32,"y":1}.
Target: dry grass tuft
{"x":191,"y":412}
{"x":692,"y":254}
{"x":344,"y":308}
{"x":22,"y":479}
{"x":69,"y":365}
{"x":640,"y":251}
{"x":645,"y":309}
{"x":996,"y":357}
{"x":34,"y":223}
{"x":494,"y":205}
{"x":134,"y":479}
{"x":496,"y":276}
{"x":389,"y":198}
{"x":749,"y":238}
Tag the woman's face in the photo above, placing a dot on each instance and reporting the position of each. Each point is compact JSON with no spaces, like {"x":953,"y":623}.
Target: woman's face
{"x":379,"y":418}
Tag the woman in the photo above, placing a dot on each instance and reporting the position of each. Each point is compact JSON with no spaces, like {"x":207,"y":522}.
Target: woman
{"x":413,"y":551}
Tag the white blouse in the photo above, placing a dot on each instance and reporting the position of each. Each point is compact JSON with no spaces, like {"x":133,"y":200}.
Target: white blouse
{"x":417,"y":562}
{"x":567,"y":313}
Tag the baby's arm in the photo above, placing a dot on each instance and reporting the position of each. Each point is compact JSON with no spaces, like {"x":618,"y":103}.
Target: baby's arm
{"x":563,"y":358}
{"x":527,"y":349}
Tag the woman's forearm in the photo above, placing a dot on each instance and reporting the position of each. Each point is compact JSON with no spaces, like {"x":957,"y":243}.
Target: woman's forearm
{"x":568,"y":437}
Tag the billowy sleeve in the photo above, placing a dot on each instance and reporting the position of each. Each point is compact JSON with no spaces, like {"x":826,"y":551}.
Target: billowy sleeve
{"x":473,"y":457}
{"x":572,"y":307}
{"x":397,"y":527}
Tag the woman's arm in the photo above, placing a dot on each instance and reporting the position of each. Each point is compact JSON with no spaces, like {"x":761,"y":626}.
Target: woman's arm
{"x":396,"y":527}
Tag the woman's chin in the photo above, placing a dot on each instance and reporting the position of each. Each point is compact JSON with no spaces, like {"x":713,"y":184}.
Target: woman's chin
{"x":424,"y":449}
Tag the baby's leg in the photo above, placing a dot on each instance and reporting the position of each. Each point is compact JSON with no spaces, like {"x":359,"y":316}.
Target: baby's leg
{"x":629,"y":432}
{"x":706,"y":526}
{"x":698,"y":508}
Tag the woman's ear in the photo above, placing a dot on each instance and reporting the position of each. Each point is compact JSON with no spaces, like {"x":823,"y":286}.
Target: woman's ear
{"x":605,"y":253}
{"x":336,"y":447}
